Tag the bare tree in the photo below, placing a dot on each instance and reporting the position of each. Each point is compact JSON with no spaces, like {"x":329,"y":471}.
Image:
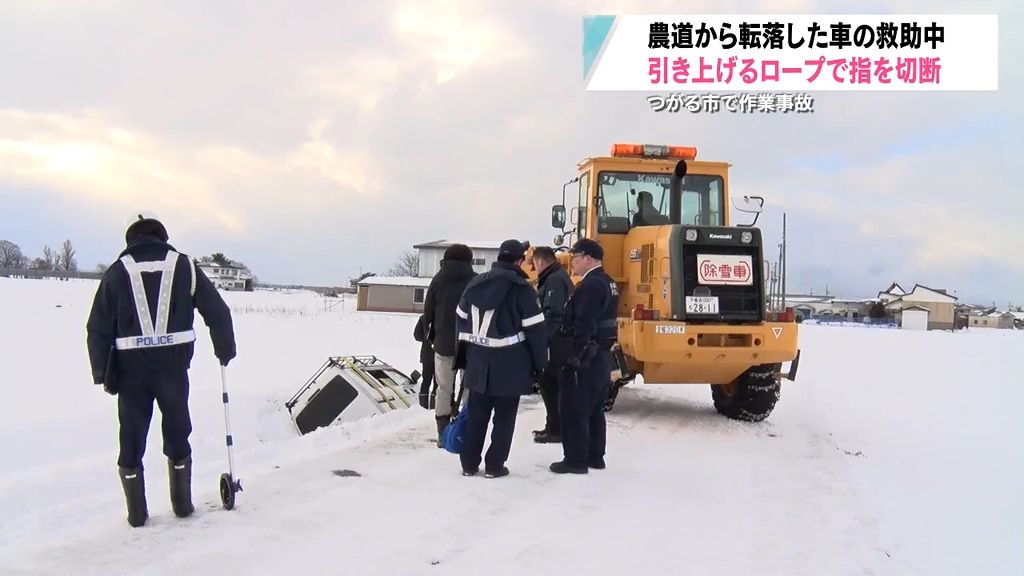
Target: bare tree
{"x":66,"y":261}
{"x":101,"y":268}
{"x":11,"y":256}
{"x":408,"y":264}
{"x":47,"y":262}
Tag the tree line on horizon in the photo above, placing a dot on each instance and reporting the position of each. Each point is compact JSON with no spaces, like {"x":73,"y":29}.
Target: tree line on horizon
{"x":63,"y":259}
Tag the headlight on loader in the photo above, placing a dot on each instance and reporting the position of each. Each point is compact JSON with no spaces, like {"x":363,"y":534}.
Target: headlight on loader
{"x":691,"y":235}
{"x":746,"y":237}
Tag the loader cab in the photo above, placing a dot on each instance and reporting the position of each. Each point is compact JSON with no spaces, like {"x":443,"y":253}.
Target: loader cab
{"x":631,"y":188}
{"x":630,"y":202}
{"x":626,"y":199}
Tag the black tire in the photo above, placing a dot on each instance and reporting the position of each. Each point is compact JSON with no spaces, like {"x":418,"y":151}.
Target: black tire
{"x":755,"y":394}
{"x":227,"y":491}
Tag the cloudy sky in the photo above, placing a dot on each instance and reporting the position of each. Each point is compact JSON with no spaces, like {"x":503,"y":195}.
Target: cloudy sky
{"x":315,"y":139}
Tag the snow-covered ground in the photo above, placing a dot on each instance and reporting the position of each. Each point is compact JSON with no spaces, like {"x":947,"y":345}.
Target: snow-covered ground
{"x":894,"y":453}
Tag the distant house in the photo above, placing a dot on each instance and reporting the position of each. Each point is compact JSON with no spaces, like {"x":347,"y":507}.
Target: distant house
{"x":485,"y":253}
{"x":391,"y":293}
{"x":407,"y":293}
{"x":1018,"y":319}
{"x":891,"y":293}
{"x":940,"y":306}
{"x":853,"y":310}
{"x":1003,"y":320}
{"x":227,"y":276}
{"x":828,"y":308}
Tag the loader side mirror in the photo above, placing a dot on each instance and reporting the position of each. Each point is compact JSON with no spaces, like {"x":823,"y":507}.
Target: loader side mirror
{"x":558,"y":216}
{"x":415,"y":376}
{"x":750,"y":205}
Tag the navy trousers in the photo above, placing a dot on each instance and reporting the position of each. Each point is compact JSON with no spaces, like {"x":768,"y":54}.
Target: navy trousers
{"x":549,"y":392}
{"x":581,"y":401}
{"x":481,"y":406}
{"x":136,"y":393}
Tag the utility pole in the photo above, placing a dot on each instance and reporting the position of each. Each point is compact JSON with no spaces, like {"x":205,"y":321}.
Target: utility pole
{"x":783,"y":307}
{"x":778,"y":280}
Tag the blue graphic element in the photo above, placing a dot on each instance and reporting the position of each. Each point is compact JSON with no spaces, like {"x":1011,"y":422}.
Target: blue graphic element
{"x":595,"y":33}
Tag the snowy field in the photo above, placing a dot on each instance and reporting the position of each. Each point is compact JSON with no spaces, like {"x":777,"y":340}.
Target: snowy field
{"x":893,"y":453}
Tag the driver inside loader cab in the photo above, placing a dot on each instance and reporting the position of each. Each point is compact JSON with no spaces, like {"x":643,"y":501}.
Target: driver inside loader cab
{"x":646,"y":213}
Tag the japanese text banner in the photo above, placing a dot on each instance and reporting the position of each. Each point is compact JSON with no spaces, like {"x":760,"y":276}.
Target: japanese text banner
{"x":797,"y":52}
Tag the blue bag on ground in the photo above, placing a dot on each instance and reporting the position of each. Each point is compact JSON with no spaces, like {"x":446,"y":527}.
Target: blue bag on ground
{"x":455,"y":433}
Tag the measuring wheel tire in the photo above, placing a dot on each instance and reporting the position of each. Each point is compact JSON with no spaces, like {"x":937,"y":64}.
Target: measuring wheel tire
{"x":227,"y":491}
{"x":751,"y":397}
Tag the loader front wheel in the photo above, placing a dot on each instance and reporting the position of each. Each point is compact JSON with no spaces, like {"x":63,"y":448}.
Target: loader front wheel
{"x":751,"y":397}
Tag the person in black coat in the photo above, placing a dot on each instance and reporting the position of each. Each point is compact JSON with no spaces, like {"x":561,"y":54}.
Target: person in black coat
{"x":140,"y":339}
{"x":588,"y":331}
{"x":423,"y":334}
{"x":439,"y":312}
{"x":504,"y":348}
{"x":553,"y":287}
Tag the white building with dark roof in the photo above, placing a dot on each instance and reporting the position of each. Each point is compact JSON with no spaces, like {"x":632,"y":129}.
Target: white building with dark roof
{"x":485,"y":253}
{"x":940,"y":305}
{"x":227,"y":276}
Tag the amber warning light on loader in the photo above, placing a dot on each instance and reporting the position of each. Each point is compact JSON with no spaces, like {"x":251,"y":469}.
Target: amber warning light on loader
{"x":654,"y":151}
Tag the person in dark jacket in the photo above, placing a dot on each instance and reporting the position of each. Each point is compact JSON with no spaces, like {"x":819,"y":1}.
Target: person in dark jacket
{"x":588,"y":331}
{"x":439,"y":312}
{"x":501,"y":327}
{"x":553,"y":287}
{"x":422,"y":333}
{"x":140,"y":339}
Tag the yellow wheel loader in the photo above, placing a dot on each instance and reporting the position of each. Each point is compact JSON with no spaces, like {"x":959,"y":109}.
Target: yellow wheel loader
{"x":692,"y":306}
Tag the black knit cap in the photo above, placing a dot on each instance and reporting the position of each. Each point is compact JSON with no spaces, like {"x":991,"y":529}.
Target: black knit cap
{"x":588,"y":247}
{"x":459,"y":252}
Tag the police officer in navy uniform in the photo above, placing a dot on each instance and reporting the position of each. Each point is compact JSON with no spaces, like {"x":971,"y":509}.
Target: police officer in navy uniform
{"x":585,"y":339}
{"x":553,"y":290}
{"x":504,"y":345}
{"x":141,"y":341}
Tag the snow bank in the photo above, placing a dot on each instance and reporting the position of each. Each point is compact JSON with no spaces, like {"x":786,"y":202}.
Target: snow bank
{"x":893,"y":453}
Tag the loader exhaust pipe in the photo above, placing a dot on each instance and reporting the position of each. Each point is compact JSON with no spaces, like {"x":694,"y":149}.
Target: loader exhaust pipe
{"x":676,"y":192}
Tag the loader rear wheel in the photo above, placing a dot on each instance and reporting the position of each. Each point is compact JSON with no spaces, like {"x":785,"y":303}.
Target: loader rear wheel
{"x":751,"y":397}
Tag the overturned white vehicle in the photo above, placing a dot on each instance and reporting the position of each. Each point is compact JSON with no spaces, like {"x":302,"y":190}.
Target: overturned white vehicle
{"x":349,"y":388}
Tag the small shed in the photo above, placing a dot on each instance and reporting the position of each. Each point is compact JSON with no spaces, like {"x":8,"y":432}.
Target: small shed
{"x":915,"y":318}
{"x":392,"y":294}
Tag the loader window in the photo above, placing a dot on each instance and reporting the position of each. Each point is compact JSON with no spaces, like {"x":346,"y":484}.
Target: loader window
{"x":702,"y":201}
{"x":630,"y":199}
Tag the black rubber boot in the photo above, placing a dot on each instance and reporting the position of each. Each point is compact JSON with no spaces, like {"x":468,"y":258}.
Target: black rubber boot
{"x":442,"y":423}
{"x":134,"y":485}
{"x":180,"y":473}
{"x":564,"y":468}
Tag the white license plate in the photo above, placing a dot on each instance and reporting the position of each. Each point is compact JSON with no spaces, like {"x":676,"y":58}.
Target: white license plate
{"x":725,"y":270}
{"x":702,"y":304}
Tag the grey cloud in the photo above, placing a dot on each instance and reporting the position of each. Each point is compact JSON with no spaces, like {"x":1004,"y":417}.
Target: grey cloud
{"x":485,"y":154}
